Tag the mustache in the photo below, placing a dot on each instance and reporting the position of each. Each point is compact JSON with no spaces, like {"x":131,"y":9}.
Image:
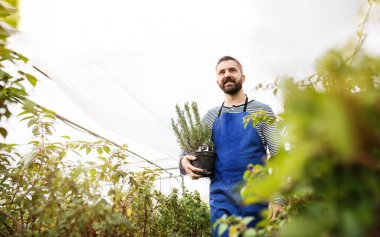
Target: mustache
{"x":228,"y":79}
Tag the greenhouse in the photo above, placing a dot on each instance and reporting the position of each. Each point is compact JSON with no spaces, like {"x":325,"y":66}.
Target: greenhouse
{"x":89,"y":91}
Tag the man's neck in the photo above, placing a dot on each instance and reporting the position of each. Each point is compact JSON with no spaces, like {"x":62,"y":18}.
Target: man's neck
{"x":236,"y":99}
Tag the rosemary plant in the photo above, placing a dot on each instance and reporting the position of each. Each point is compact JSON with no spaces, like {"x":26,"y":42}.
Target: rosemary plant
{"x":191,"y":134}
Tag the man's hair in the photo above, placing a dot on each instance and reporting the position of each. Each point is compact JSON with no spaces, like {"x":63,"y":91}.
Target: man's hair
{"x":226,"y":58}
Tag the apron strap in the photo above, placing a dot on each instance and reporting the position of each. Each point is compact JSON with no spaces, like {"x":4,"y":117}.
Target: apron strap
{"x":245,"y":106}
{"x":220,"y":110}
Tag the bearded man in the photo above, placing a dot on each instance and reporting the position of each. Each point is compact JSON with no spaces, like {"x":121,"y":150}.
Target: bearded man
{"x":235,"y":146}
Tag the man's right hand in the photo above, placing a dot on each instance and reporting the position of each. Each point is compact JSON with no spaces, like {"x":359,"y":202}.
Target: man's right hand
{"x":186,"y":165}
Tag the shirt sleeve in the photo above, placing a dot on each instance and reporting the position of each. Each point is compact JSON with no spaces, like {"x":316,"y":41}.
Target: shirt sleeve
{"x":181,"y":169}
{"x":271,"y":136}
{"x":270,"y":132}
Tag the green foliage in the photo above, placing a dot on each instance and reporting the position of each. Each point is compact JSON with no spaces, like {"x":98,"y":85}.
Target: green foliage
{"x":191,"y":134}
{"x":235,"y":225}
{"x":330,"y":171}
{"x":333,"y":127}
{"x":11,"y":86}
{"x":9,"y":18}
{"x":258,"y":117}
{"x":48,"y":193}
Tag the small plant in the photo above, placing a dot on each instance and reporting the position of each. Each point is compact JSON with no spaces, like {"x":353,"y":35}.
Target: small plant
{"x":195,"y":138}
{"x":191,"y":134}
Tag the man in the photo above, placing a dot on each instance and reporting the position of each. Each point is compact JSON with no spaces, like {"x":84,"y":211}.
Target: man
{"x":236,"y":146}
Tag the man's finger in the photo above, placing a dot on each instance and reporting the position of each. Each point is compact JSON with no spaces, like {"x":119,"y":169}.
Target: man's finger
{"x":275,"y":210}
{"x":194,"y":169}
{"x":194,"y":175}
{"x":275,"y":214}
{"x":270,"y":211}
{"x":190,"y":157}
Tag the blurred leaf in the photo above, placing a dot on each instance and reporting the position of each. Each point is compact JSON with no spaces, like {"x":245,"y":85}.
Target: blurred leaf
{"x":92,"y":172}
{"x":222,"y":228}
{"x":102,"y":158}
{"x":106,"y":149}
{"x":88,"y":150}
{"x":250,"y":232}
{"x":6,"y":9}
{"x":33,"y":121}
{"x":99,"y":150}
{"x":248,"y":219}
{"x":3,"y":132}
{"x":32,"y":79}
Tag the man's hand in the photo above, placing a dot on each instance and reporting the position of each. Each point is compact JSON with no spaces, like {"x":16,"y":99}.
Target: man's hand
{"x":185,"y":162}
{"x":274,"y":210}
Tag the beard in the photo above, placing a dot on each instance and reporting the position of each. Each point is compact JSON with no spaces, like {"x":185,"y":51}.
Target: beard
{"x":232,"y":89}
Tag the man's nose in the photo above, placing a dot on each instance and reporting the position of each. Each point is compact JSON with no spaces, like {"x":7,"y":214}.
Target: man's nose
{"x":227,"y":75}
{"x":226,"y":78}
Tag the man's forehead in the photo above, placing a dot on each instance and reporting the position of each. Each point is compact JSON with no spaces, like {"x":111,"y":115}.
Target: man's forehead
{"x":227,"y":64}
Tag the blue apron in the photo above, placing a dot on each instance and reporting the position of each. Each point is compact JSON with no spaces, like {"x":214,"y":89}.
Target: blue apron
{"x":236,"y":147}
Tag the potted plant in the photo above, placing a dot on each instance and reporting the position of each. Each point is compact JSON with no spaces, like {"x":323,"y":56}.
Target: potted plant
{"x":194,"y":138}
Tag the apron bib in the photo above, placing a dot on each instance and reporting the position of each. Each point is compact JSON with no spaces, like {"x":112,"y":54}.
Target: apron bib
{"x":236,"y":147}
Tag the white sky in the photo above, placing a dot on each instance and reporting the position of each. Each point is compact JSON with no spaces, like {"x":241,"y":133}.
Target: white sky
{"x":120,"y":66}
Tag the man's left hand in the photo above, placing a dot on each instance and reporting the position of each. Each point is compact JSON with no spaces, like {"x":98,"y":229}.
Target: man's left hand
{"x":274,"y":210}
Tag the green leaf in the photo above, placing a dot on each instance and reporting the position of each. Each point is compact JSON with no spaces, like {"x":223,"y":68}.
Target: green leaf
{"x":32,"y":122}
{"x":102,"y":158}
{"x":47,"y":130}
{"x":31,"y":79}
{"x":51,"y":116}
{"x":3,"y":132}
{"x":106,"y":149}
{"x":92,"y":172}
{"x":250,"y":232}
{"x":246,"y":175}
{"x":26,"y":118}
{"x":18,"y":200}
{"x":275,"y":91}
{"x":248,"y":219}
{"x":222,"y":228}
{"x":6,"y":9}
{"x":23,"y":113}
{"x":29,"y":107}
{"x":99,"y":150}
{"x":88,"y":150}
{"x":21,"y":57}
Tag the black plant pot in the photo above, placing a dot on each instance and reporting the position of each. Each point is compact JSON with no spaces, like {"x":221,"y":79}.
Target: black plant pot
{"x":205,"y":160}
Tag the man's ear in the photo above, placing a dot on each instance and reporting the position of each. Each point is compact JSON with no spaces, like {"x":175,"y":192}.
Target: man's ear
{"x":243,"y":78}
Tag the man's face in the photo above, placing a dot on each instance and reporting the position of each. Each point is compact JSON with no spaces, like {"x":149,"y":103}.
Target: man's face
{"x":230,"y":78}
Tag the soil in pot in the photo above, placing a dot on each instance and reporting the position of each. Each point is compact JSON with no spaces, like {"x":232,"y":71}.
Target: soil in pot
{"x":205,"y":160}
